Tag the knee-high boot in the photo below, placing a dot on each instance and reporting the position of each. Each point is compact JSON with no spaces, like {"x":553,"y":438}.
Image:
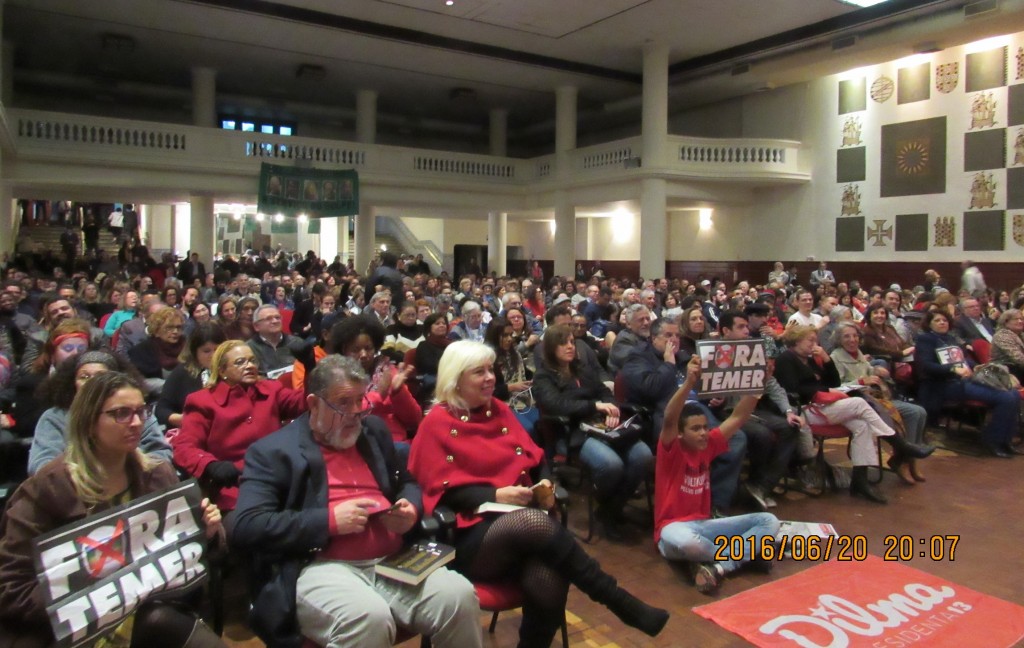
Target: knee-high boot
{"x":586,"y":574}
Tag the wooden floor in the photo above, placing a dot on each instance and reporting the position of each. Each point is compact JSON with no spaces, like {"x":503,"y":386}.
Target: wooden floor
{"x":980,"y":499}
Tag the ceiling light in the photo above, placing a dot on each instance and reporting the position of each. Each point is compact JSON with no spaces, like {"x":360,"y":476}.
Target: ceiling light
{"x":449,"y":3}
{"x":279,"y":218}
{"x":863,"y":3}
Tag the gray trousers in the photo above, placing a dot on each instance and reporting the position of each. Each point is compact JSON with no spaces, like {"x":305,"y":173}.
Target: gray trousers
{"x":347,"y":604}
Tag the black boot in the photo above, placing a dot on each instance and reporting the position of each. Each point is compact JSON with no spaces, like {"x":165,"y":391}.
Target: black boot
{"x":908,"y":450}
{"x":860,"y":487}
{"x":586,"y":574}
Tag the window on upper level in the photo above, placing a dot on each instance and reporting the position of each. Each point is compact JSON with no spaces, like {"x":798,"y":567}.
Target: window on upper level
{"x":267,"y":127}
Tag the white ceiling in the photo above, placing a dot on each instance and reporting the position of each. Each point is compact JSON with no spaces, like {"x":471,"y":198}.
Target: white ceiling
{"x":508,"y":53}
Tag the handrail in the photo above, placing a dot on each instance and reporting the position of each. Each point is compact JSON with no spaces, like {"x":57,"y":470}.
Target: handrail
{"x":394,"y":226}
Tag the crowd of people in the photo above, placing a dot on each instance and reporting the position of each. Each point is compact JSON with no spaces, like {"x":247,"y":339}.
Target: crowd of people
{"x":326,"y":412}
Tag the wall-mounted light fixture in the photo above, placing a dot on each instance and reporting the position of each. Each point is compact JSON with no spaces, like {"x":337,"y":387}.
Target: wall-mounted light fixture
{"x":705,"y":219}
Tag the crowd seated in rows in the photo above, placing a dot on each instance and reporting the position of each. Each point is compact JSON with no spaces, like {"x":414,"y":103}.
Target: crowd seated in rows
{"x":461,"y":373}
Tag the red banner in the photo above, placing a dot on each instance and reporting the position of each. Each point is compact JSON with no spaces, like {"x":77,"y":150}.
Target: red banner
{"x":870,"y":604}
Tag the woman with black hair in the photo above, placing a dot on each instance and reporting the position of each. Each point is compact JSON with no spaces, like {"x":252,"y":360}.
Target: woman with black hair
{"x":427,"y":356}
{"x":361,"y":338}
{"x":51,"y":434}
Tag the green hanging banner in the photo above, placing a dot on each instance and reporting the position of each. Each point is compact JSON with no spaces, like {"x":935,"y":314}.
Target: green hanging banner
{"x":317,"y":193}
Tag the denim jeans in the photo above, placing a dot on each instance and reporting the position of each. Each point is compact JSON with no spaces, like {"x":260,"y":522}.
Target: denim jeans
{"x":1005,"y":407}
{"x":615,"y":475}
{"x":695,"y":541}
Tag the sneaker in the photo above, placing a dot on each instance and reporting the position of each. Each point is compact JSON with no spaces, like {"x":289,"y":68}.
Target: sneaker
{"x":708,"y":577}
{"x":757,"y":494}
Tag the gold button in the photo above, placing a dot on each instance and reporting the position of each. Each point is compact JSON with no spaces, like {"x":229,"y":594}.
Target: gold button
{"x":519,"y":450}
{"x":454,"y":432}
{"x":464,"y":418}
{"x":488,"y":412}
{"x":449,"y":458}
{"x":504,"y":430}
{"x":445,"y":483}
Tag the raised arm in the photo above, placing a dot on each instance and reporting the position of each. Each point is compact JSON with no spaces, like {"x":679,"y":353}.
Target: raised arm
{"x":670,"y":425}
{"x":738,"y":417}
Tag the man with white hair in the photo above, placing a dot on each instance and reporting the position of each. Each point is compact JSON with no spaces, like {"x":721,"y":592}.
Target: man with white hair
{"x":472,"y":326}
{"x":637,"y":332}
{"x":275,"y":349}
{"x":380,"y":306}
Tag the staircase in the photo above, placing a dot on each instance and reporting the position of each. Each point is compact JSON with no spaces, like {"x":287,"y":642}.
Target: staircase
{"x":44,"y":237}
{"x":393,"y":245}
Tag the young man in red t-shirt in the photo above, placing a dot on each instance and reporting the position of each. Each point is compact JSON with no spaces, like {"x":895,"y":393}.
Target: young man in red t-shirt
{"x":683,"y":529}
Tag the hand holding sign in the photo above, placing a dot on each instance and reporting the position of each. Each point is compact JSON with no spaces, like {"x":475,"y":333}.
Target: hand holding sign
{"x":211,"y":518}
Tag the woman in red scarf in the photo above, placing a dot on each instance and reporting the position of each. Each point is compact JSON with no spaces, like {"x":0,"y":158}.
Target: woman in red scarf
{"x":470,"y":450}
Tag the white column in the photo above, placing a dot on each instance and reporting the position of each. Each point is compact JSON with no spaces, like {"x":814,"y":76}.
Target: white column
{"x":366,"y":233}
{"x":497,"y":242}
{"x":328,"y":239}
{"x":204,"y":96}
{"x":565,"y":235}
{"x":343,"y":245}
{"x":654,"y":122}
{"x":565,"y":128}
{"x":201,"y":227}
{"x":366,"y":116}
{"x":181,"y":226}
{"x":499,"y":133}
{"x":653,"y":223}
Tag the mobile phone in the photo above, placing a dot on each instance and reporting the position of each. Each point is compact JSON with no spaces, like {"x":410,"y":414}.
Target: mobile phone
{"x":393,"y":507}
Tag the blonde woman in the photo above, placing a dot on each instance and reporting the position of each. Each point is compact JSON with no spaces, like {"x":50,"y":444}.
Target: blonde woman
{"x":234,"y":409}
{"x":102,"y":467}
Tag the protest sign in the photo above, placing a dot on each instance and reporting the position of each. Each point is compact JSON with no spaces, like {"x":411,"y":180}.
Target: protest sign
{"x":98,"y":570}
{"x":731,"y":367}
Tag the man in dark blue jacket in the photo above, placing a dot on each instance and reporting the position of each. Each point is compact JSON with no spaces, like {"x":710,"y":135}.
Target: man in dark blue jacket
{"x":321,"y":501}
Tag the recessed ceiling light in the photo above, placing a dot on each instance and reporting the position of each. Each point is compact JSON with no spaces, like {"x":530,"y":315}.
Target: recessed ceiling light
{"x":449,"y":2}
{"x":863,"y":3}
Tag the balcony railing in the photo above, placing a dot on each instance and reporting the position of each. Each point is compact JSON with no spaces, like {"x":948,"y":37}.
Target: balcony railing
{"x":112,"y":143}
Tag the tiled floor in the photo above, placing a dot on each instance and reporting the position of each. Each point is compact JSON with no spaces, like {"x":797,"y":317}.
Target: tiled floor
{"x":978,"y":498}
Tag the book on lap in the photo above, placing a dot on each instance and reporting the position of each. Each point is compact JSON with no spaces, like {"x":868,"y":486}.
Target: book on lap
{"x":413,"y":564}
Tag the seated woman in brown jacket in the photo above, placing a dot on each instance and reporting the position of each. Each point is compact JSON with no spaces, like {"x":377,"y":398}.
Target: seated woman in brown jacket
{"x":881,"y":341}
{"x":101,"y":468}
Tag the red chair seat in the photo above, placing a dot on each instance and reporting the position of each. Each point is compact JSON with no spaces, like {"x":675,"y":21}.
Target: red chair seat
{"x":829,"y":431}
{"x":499,"y":596}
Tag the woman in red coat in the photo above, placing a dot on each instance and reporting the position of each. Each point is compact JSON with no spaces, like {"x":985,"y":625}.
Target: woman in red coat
{"x":235,"y":409}
{"x":471,"y":450}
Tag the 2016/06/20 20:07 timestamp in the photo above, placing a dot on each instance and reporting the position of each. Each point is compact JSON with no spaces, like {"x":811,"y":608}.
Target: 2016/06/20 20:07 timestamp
{"x":840,"y":547}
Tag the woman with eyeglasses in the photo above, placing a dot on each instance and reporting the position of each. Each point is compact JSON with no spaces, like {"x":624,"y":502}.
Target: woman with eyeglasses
{"x":157,"y":355}
{"x":102,"y":467}
{"x":471,"y":450}
{"x":234,"y":409}
{"x":58,"y":391}
{"x":361,"y":337}
{"x":1008,"y":343}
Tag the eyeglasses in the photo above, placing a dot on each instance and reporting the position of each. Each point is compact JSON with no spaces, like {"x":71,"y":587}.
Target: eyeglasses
{"x":363,"y":412}
{"x":125,"y":415}
{"x":269,"y":318}
{"x":241,"y":362}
